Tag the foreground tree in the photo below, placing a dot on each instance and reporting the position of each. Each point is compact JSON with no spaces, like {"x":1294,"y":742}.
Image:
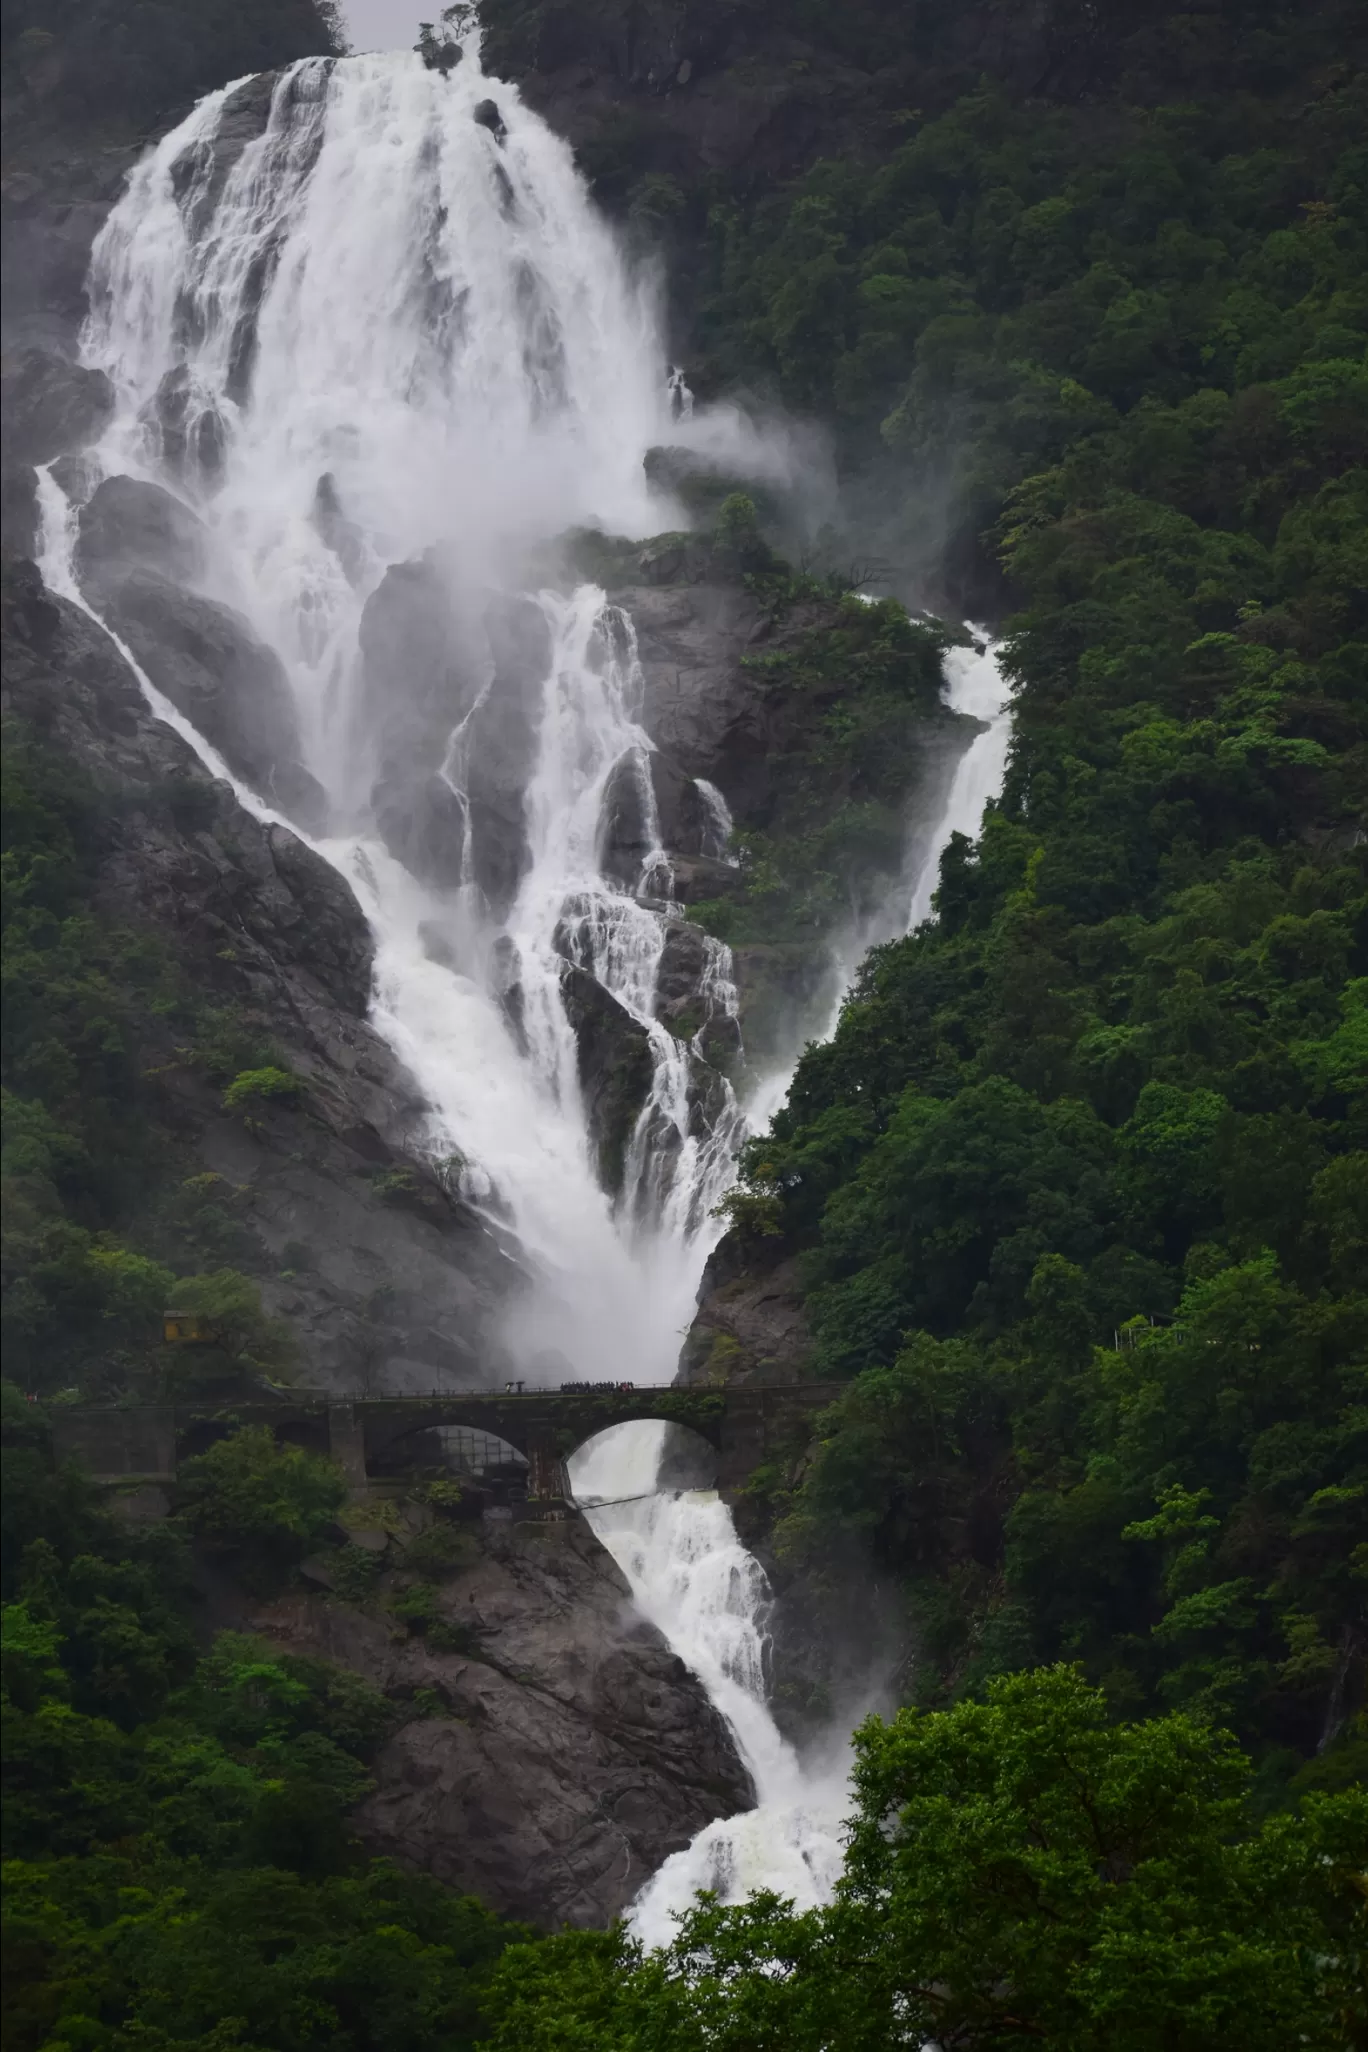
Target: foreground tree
{"x":1021,"y":1873}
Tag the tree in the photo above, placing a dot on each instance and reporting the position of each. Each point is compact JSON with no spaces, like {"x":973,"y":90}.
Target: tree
{"x":1021,"y":1874}
{"x":263,"y":1502}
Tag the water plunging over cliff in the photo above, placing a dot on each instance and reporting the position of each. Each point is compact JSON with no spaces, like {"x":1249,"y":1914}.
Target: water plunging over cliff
{"x":365,"y":317}
{"x":391,"y":321}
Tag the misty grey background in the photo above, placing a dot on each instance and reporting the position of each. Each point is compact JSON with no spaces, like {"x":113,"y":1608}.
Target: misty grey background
{"x":387,"y":24}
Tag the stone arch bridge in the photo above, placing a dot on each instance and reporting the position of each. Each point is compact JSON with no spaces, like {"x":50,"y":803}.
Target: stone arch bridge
{"x":375,"y":1438}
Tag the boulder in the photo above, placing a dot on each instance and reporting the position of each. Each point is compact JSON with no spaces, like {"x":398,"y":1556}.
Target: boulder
{"x":420,"y":677}
{"x":190,"y":425}
{"x":630,"y":836}
{"x":230,"y":686}
{"x":129,"y":525}
{"x":616,"y":1068}
{"x":51,"y":406}
{"x":488,"y":116}
{"x":627,"y":835}
{"x":422,"y":823}
{"x":687,"y":998}
{"x":502,"y":743}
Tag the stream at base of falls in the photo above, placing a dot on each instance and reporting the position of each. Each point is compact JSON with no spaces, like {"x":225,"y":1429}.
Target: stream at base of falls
{"x":385,"y":330}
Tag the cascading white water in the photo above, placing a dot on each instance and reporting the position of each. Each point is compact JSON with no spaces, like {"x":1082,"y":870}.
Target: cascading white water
{"x":385,"y":322}
{"x":385,"y":293}
{"x":679,"y":1549}
{"x":974,"y":685}
{"x":692,"y":1577}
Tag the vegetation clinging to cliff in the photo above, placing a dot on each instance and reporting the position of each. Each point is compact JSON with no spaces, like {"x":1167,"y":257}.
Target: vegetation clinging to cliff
{"x":114,"y":61}
{"x":1080,"y":1182}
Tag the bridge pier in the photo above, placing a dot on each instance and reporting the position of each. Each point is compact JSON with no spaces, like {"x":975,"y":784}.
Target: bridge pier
{"x":545,"y":1468}
{"x":347,"y":1444}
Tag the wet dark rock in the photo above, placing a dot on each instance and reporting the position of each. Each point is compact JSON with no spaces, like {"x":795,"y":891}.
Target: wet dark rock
{"x":19,"y":516}
{"x":751,"y":1323}
{"x":265,"y":930}
{"x":245,"y":114}
{"x":576,"y":1752}
{"x":630,"y":837}
{"x":230,"y":686}
{"x":627,"y":836}
{"x":680,"y":806}
{"x":503,"y":740}
{"x":706,"y":712}
{"x":57,"y":197}
{"x":50,"y":406}
{"x":129,"y":525}
{"x":339,"y":533}
{"x":421,"y":674}
{"x":684,"y":1001}
{"x":701,"y":877}
{"x":423,"y":826}
{"x":616,"y":1068}
{"x":192,"y":434}
{"x":508,"y":987}
{"x":487,"y":115}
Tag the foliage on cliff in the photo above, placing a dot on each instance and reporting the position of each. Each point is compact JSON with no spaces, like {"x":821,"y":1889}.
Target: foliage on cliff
{"x":179,"y":1870}
{"x":178,"y":1867}
{"x":116,"y":61}
{"x":858,"y":688}
{"x":1081,"y":1183}
{"x":100,"y":1234}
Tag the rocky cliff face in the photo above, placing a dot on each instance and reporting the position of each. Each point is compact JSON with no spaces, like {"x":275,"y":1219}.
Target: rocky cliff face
{"x":390,"y":1280}
{"x":568,"y":1751}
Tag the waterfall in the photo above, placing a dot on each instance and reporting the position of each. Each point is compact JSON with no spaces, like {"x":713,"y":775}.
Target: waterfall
{"x":691,"y":1576}
{"x":973,"y":685}
{"x":366,"y":316}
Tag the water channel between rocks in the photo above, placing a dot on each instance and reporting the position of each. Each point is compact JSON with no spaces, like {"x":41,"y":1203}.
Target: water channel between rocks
{"x":352,"y":324}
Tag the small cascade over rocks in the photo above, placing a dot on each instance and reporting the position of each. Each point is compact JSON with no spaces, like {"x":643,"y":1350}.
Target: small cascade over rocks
{"x":371,"y":350}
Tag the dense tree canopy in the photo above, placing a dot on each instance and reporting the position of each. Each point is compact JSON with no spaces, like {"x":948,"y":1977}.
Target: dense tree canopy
{"x":112,"y":61}
{"x":1080,"y":1187}
{"x":1021,"y":1873}
{"x":1080,"y":1184}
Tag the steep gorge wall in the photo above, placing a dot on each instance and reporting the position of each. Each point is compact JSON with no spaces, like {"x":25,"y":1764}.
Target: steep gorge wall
{"x":326,"y":1195}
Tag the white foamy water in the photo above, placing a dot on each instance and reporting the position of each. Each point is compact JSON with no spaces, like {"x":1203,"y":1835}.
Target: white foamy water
{"x":974,"y":685}
{"x":381,"y":327}
{"x":695,"y":1581}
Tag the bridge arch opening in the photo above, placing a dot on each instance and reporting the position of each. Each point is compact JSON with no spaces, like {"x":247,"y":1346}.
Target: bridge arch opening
{"x":468,"y":1452}
{"x":639,"y":1459}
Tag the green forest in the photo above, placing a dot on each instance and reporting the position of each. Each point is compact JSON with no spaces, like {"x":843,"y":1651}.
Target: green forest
{"x":1079,"y":1189}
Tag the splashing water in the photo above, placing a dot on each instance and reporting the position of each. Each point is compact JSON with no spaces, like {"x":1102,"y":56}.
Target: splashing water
{"x":378,"y":326}
{"x":693,"y":1579}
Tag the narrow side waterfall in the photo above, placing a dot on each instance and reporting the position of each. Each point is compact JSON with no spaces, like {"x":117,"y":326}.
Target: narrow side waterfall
{"x":679,"y":1551}
{"x":974,"y":685}
{"x":375,"y":350}
{"x":692,"y":1578}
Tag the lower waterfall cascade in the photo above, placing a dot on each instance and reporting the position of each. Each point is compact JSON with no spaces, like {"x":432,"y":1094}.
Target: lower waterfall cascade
{"x":381,"y":328}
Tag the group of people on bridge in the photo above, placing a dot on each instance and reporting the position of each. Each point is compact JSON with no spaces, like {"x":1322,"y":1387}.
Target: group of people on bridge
{"x":579,"y":1388}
